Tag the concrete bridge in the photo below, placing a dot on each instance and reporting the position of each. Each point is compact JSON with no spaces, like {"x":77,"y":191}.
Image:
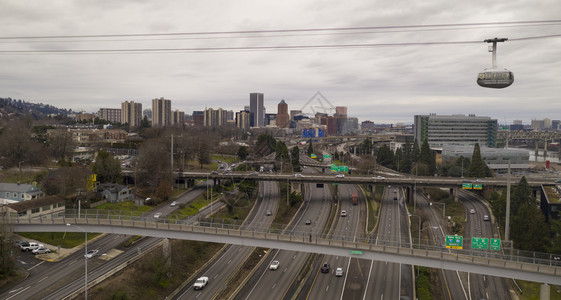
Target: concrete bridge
{"x":537,"y":267}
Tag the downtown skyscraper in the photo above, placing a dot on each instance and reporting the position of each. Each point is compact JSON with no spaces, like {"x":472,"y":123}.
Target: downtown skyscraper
{"x":257,"y":109}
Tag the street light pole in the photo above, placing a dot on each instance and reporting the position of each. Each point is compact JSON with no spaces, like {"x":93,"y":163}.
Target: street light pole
{"x":85,"y":260}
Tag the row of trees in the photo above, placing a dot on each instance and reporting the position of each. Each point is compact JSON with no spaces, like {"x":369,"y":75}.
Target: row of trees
{"x":421,"y":161}
{"x":528,"y":227}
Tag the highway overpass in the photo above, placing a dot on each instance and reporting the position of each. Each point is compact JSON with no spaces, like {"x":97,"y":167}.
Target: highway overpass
{"x":444,"y":182}
{"x":543,"y":268}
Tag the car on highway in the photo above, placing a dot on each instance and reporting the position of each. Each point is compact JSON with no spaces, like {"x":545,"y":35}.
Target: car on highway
{"x":228,"y":173}
{"x":269,"y":212}
{"x":41,"y":250}
{"x":174,"y":203}
{"x":308,"y":222}
{"x":343,"y":213}
{"x":340,"y":176}
{"x":485,"y":218}
{"x":325,"y":268}
{"x":254,"y":174}
{"x":479,"y":180}
{"x":379,"y":177}
{"x":91,"y":253}
{"x":157,"y":215}
{"x":214,"y":173}
{"x":472,"y":211}
{"x":274,"y":265}
{"x":200,"y":283}
{"x":558,"y":181}
{"x":298,"y":175}
{"x":339,"y":272}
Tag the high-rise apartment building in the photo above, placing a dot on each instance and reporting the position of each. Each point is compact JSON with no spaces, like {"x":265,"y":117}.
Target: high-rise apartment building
{"x":131,"y":113}
{"x":112,"y":115}
{"x":282,"y":119}
{"x":257,"y":109}
{"x":455,"y":130}
{"x":215,"y":117}
{"x":243,"y":120}
{"x":161,"y":112}
{"x":177,"y":118}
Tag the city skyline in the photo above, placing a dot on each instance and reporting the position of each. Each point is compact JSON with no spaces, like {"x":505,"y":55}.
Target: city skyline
{"x":385,"y":63}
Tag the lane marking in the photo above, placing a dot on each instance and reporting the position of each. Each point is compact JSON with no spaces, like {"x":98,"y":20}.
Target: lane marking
{"x":35,"y":266}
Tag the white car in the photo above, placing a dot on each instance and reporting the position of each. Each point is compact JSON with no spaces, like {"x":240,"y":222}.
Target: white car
{"x":340,"y":176}
{"x":298,"y":175}
{"x":274,"y":265}
{"x":200,"y":283}
{"x":157,"y":215}
{"x":472,"y":211}
{"x":339,"y":272}
{"x":173,"y":203}
{"x":91,"y":253}
{"x":343,"y":213}
{"x":41,"y":250}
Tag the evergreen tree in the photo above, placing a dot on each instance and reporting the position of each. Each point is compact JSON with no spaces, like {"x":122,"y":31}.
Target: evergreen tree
{"x":477,"y":168}
{"x":242,"y":152}
{"x":107,"y":168}
{"x":416,"y":152}
{"x":522,"y":194}
{"x":295,"y":158}
{"x":398,"y":159}
{"x":529,"y":230}
{"x":427,"y":157}
{"x":310,"y":150}
{"x":406,"y":164}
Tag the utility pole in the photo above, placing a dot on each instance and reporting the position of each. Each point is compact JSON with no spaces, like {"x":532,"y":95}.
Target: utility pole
{"x":507,"y":220}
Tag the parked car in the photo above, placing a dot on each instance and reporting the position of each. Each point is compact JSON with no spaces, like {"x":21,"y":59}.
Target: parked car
{"x":29,"y":246}
{"x":343,"y":213}
{"x":339,"y":272}
{"x":91,"y":253}
{"x":200,"y":283}
{"x":274,"y":265}
{"x":325,"y":268}
{"x":41,"y":250}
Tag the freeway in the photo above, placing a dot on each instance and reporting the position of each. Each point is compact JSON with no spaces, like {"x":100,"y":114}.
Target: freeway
{"x":58,"y":279}
{"x":327,"y":285}
{"x":481,"y":286}
{"x":267,"y":284}
{"x":451,"y":283}
{"x":387,"y":278}
{"x":225,"y":266}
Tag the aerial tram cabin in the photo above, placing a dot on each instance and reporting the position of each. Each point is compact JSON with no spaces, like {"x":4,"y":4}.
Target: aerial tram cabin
{"x":494,"y":77}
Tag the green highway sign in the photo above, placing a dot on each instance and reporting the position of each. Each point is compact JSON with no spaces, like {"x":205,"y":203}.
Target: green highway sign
{"x":356,"y":252}
{"x":326,"y":156}
{"x":454,"y":242}
{"x":479,"y":243}
{"x":466,"y":186}
{"x":336,"y":168}
{"x":313,"y":156}
{"x":495,"y":244}
{"x":478,"y":186}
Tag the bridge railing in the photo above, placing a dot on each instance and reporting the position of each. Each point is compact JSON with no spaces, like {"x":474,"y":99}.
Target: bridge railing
{"x":295,"y":233}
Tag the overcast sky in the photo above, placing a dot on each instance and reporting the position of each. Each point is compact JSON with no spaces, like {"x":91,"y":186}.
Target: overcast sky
{"x":384,"y":84}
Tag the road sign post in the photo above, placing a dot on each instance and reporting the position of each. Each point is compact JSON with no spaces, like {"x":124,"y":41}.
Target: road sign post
{"x":454,"y":242}
{"x":479,"y":243}
{"x":495,"y":244}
